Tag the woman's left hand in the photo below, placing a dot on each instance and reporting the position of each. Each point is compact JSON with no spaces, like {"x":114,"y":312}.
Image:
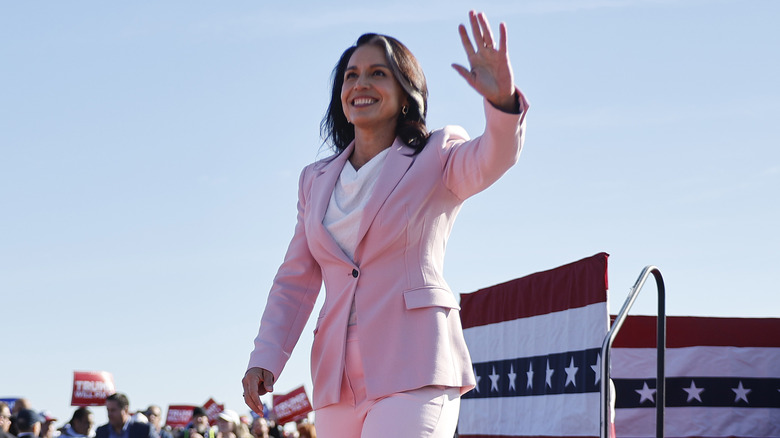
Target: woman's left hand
{"x":490,"y":73}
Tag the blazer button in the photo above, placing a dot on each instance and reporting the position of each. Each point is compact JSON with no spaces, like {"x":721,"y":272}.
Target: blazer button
{"x":355,"y":273}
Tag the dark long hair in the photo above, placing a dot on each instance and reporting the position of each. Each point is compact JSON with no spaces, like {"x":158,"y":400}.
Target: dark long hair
{"x":336,"y":129}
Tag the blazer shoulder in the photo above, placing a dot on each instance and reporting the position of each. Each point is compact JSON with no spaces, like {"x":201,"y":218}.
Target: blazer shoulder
{"x":440,"y":137}
{"x":443,"y":140}
{"x":322,"y":163}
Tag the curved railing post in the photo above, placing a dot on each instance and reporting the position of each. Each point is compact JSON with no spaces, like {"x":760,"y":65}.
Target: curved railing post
{"x":606,"y":346}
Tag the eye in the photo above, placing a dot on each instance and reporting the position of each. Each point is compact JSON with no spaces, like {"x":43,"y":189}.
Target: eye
{"x":350,"y":75}
{"x":379,"y":73}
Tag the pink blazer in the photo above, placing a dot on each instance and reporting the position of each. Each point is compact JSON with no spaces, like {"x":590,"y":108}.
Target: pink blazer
{"x":408,"y":318}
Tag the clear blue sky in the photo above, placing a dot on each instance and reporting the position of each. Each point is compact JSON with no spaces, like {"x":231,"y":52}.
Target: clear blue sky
{"x":149,"y":155}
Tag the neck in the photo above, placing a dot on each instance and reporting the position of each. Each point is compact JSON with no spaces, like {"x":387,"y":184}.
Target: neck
{"x":370,"y":142}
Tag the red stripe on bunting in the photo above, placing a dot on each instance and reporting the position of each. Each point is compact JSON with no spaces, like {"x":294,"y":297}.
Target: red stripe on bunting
{"x":693,"y":331}
{"x":543,"y":292}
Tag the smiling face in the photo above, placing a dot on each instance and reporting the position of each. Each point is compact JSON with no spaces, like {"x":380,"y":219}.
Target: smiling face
{"x":371,"y":96}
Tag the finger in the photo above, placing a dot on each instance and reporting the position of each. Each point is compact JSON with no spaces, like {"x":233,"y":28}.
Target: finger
{"x":466,"y":73}
{"x":487,"y":34}
{"x":478,"y":41}
{"x":252,"y":395}
{"x":253,"y":401}
{"x":248,"y":396}
{"x":466,"y":41}
{"x":249,"y":399}
{"x":249,"y":381}
{"x":502,"y":35}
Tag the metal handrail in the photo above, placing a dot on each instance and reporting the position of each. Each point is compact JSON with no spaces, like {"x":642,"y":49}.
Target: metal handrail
{"x":606,"y":346}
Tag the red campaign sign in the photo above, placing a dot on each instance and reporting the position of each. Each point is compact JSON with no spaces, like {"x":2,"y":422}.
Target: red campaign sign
{"x":212,"y":410}
{"x":179,"y":415}
{"x":293,"y":406}
{"x":90,"y":388}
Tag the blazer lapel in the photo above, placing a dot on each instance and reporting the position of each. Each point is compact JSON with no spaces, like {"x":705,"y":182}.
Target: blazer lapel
{"x":322,"y":189}
{"x":398,"y":160}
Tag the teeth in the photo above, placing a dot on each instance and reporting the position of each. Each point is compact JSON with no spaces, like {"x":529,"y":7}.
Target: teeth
{"x":363,"y":101}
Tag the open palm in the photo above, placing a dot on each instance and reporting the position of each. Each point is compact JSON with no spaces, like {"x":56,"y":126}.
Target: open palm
{"x":491,"y":72}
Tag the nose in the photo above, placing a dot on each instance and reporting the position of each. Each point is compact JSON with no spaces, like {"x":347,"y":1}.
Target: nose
{"x":361,"y":82}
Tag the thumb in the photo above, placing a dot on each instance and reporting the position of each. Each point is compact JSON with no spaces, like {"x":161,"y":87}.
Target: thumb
{"x":466,"y":73}
{"x":268,"y":380}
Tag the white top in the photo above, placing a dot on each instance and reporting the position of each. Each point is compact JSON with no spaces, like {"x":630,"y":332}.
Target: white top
{"x":347,"y":202}
{"x":349,"y":198}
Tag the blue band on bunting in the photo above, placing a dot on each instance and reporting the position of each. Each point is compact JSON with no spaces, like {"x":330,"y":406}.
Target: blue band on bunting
{"x":746,"y":392}
{"x":560,"y":373}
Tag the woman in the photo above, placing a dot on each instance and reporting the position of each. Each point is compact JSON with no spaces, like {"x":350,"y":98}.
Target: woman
{"x":388,"y":358}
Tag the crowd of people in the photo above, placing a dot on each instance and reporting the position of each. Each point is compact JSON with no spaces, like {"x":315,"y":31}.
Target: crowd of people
{"x":25,"y":422}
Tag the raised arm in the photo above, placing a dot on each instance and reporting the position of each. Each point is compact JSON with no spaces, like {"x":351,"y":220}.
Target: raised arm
{"x":471,"y":166}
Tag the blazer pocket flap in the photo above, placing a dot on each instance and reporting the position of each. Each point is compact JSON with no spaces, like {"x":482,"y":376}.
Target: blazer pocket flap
{"x":430,"y":296}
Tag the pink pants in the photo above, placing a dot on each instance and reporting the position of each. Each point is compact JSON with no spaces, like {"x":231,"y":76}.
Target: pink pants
{"x":430,"y":412}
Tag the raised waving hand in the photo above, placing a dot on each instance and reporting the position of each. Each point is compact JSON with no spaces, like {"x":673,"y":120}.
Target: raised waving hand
{"x":491,"y":72}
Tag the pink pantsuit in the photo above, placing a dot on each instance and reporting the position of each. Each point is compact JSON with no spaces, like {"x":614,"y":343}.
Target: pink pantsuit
{"x":408,"y":322}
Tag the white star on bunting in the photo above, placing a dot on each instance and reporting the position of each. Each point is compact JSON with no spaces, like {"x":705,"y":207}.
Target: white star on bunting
{"x":494,"y":380}
{"x":693,"y":392}
{"x":646,"y":394}
{"x":571,"y":373}
{"x":548,"y":377}
{"x":530,"y":375}
{"x":478,"y":379}
{"x":741,"y":393}
{"x":512,"y":376}
{"x":597,"y":369}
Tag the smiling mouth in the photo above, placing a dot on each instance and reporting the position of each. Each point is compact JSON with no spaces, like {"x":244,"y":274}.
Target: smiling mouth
{"x":363,"y":101}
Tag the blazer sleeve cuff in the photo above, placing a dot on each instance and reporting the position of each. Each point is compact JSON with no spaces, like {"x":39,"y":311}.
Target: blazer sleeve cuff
{"x":503,"y":117}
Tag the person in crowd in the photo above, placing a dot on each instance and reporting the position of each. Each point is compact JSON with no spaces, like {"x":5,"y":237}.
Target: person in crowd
{"x":48,"y":426}
{"x":275,"y":429}
{"x":154,"y":415}
{"x":5,"y":421}
{"x":246,"y":421}
{"x":306,"y":430}
{"x":29,"y":423}
{"x":199,"y":426}
{"x":229,"y":425}
{"x":373,"y":222}
{"x":19,"y":405}
{"x":80,"y":424}
{"x":226,"y":424}
{"x":120,"y":422}
{"x":260,"y":428}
